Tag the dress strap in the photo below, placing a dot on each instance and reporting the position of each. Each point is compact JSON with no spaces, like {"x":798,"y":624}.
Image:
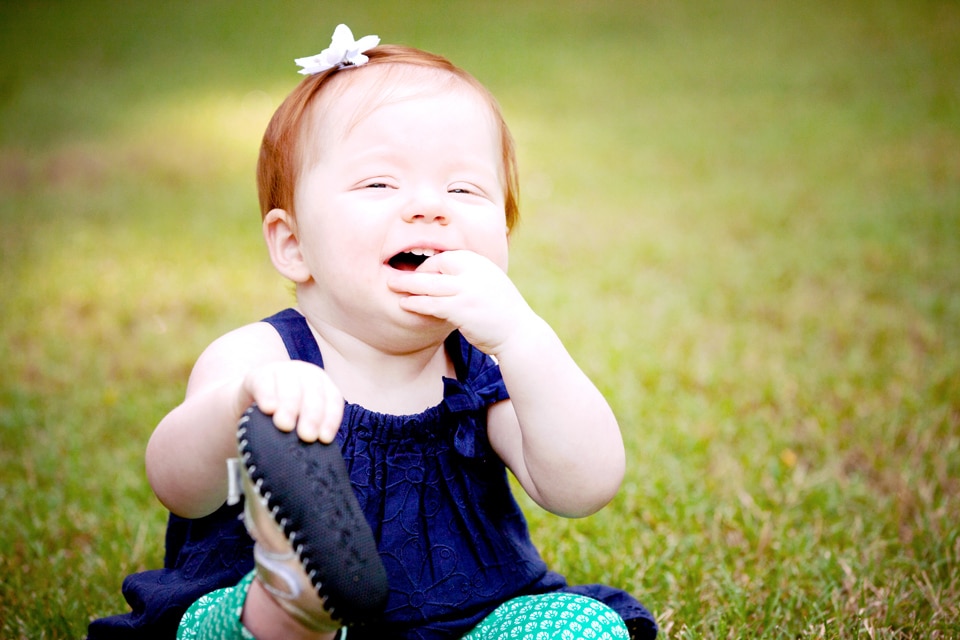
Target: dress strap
{"x":296,"y":335}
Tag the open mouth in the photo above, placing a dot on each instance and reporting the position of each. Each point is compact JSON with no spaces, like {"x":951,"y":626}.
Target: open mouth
{"x":410,"y":260}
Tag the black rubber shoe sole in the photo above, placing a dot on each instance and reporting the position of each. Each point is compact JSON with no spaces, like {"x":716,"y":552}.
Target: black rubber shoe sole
{"x":308,"y":492}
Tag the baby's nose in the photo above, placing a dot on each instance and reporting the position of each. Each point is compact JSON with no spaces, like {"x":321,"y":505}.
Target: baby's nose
{"x":426,"y":206}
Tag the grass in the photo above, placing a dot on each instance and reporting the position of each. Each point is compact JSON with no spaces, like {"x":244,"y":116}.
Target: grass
{"x":742,"y":217}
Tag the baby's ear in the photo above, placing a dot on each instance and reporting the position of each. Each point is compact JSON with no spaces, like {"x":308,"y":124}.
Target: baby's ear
{"x":280,"y":233}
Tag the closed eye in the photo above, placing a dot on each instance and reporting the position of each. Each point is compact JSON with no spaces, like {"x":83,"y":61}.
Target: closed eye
{"x":467,"y":189}
{"x":382,"y":181}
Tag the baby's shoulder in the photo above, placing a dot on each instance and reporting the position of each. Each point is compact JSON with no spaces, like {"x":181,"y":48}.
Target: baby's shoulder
{"x":256,"y":337}
{"x":244,"y":347}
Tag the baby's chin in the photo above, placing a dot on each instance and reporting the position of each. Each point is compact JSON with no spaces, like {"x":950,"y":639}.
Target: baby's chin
{"x":429,"y":325}
{"x":408,"y":332}
{"x":418,"y":340}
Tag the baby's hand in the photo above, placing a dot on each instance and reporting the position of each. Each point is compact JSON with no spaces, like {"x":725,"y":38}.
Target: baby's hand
{"x":298,"y":395}
{"x":469,"y":291}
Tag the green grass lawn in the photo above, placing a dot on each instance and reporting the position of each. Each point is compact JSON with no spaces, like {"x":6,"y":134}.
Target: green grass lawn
{"x":742,"y":217}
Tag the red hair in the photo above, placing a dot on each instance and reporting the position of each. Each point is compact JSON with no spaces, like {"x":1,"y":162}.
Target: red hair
{"x":281,"y":155}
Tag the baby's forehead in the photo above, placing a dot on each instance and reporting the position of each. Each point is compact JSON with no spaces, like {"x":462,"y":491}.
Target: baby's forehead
{"x":380,"y":81}
{"x":354,"y":94}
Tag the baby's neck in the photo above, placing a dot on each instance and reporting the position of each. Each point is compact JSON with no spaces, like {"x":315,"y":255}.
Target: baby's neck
{"x":380,"y":380}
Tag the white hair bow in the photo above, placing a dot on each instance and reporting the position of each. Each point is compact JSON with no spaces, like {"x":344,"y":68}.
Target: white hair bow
{"x":343,"y":51}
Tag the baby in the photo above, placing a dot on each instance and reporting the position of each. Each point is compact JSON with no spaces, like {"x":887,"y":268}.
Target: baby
{"x":410,"y":376}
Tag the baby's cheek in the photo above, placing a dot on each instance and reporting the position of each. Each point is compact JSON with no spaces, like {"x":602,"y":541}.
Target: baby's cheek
{"x":502,"y":257}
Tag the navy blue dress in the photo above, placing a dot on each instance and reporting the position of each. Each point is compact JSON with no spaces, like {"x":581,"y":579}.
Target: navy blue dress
{"x":453,"y":539}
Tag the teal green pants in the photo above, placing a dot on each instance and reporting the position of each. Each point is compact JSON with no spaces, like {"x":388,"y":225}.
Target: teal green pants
{"x":549,"y":616}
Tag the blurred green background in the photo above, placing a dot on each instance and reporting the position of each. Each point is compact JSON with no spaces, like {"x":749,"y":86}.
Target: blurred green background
{"x":742,"y":217}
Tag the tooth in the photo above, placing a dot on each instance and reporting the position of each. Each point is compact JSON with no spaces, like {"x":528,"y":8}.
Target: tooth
{"x":423,"y":252}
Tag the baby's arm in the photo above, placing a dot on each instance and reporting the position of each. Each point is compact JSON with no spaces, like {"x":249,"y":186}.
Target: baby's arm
{"x":186,"y":454}
{"x":556,"y":433}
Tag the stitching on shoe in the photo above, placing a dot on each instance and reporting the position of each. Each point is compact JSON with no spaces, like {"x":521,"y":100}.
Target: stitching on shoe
{"x":323,"y":479}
